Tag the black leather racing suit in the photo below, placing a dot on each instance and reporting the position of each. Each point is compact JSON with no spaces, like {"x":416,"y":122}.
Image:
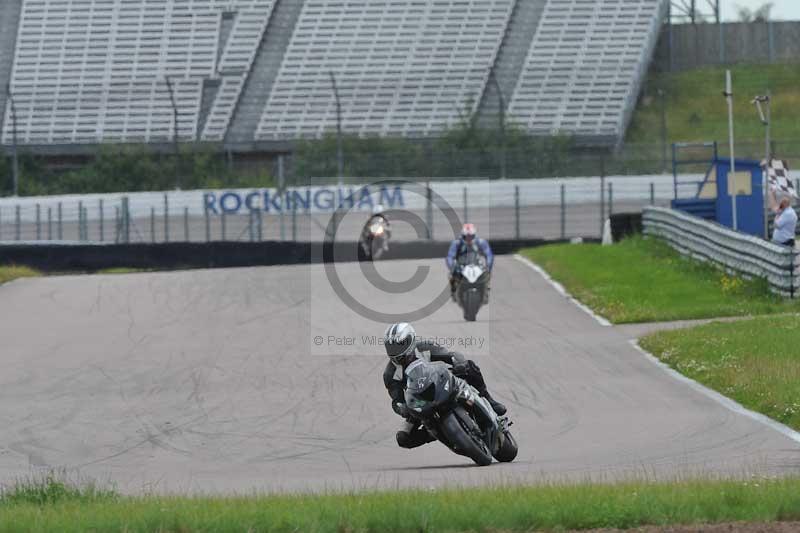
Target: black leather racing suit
{"x":412,"y":434}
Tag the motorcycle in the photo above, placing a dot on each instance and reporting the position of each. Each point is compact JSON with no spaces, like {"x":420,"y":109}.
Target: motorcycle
{"x":374,"y":240}
{"x":473,"y":279}
{"x":454,"y":413}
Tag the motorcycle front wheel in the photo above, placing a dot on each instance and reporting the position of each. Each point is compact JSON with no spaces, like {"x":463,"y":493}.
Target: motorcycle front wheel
{"x":462,"y":434}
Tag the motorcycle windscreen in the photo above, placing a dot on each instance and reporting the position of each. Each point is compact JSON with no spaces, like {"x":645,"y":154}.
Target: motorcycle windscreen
{"x":426,"y":383}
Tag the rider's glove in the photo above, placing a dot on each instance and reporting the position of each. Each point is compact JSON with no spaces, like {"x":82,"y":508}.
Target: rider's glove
{"x":467,"y":395}
{"x":401,"y":409}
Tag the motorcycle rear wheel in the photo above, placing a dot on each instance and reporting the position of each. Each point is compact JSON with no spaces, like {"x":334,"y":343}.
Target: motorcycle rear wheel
{"x":508,"y":450}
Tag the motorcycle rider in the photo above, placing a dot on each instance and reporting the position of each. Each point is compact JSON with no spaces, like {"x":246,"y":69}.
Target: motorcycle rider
{"x":378,"y":216}
{"x":469,"y":240}
{"x":403,"y":348}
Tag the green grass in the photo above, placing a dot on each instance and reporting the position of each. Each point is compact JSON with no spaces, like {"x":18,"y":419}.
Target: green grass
{"x":696,"y":110}
{"x":644,"y":280}
{"x":486,"y":509}
{"x":122,"y":270}
{"x":10,"y":273}
{"x":753,"y":361}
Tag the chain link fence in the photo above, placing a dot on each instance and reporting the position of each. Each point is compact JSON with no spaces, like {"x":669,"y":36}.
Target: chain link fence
{"x":508,"y":209}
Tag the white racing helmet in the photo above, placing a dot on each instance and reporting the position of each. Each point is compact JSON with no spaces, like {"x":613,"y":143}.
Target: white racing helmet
{"x":400,"y":340}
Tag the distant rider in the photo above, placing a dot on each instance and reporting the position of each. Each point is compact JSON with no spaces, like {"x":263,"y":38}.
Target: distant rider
{"x":403,"y":348}
{"x":378,"y":216}
{"x":469,"y":240}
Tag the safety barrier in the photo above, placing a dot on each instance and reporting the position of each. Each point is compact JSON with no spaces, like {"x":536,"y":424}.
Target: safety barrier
{"x":734,"y":251}
{"x":79,"y":256}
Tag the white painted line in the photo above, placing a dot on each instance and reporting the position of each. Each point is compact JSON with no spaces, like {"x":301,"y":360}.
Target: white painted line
{"x":560,"y":289}
{"x":721,"y":399}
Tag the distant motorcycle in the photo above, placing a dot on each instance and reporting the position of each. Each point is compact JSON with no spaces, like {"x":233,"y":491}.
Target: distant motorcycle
{"x":473,"y":277}
{"x":472,"y":430}
{"x":374,"y":240}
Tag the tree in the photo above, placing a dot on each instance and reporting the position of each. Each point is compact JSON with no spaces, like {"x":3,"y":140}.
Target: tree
{"x":761,"y":14}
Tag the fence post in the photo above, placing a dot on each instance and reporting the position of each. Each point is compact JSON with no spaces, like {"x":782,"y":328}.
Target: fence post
{"x":1,"y":226}
{"x":49,"y":223}
{"x":186,"y":224}
{"x":60,"y":224}
{"x":610,"y":198}
{"x":516,"y":212}
{"x":563,"y":211}
{"x":38,"y":222}
{"x":17,"y":222}
{"x":429,"y":209}
{"x":251,"y":227}
{"x":153,"y":224}
{"x":294,"y":224}
{"x":466,"y":206}
{"x":85,"y":223}
{"x":602,"y":202}
{"x":80,"y":220}
{"x":126,"y":220}
{"x":652,"y":193}
{"x":260,"y":225}
{"x":117,"y":225}
{"x":166,"y":218}
{"x":208,"y":224}
{"x":102,"y":217}
{"x":223,"y":224}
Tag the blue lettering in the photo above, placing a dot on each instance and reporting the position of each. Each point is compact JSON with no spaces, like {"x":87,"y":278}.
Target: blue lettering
{"x":226,"y":205}
{"x":210,"y":201}
{"x":272,"y":202}
{"x":248,"y":201}
{"x":297,"y":198}
{"x":365,"y":199}
{"x":346,"y":199}
{"x":330,"y":199}
{"x":396,"y":197}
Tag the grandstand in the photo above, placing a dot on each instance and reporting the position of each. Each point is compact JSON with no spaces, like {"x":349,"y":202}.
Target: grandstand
{"x":251,"y":73}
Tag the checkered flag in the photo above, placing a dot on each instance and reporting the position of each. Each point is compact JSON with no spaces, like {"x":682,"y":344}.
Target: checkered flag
{"x":778,"y":177}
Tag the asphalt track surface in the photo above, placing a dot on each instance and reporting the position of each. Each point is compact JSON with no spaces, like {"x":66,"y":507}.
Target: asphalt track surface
{"x":213,"y":382}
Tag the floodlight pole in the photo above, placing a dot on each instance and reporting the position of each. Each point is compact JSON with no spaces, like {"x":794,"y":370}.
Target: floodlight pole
{"x":502,"y":118}
{"x":732,"y":172}
{"x":14,"y":162}
{"x":174,"y":131}
{"x":766,"y":120}
{"x":339,"y":156}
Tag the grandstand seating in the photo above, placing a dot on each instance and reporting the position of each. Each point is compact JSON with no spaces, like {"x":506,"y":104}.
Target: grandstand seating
{"x":402,"y":68}
{"x":584,"y":67}
{"x":90,"y":71}
{"x":234,"y":65}
{"x":94,"y":70}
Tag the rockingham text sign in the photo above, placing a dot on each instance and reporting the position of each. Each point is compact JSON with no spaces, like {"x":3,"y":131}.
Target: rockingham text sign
{"x":304,"y":199}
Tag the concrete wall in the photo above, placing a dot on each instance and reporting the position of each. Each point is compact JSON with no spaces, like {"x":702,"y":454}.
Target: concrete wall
{"x":699,"y":45}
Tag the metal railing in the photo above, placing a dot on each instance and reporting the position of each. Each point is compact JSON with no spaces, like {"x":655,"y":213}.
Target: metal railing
{"x":509,"y":209}
{"x":708,"y":241}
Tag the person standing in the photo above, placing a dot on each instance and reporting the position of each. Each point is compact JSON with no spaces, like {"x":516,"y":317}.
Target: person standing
{"x":785,"y":222}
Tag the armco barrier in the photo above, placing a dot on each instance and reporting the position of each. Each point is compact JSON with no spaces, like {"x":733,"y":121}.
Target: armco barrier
{"x":55,"y":257}
{"x":709,"y":241}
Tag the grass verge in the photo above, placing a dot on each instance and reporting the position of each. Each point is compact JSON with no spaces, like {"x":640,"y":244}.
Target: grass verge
{"x":10,"y":273}
{"x":644,"y":280}
{"x":489,"y":509}
{"x":751,"y":361}
{"x":695,"y":111}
